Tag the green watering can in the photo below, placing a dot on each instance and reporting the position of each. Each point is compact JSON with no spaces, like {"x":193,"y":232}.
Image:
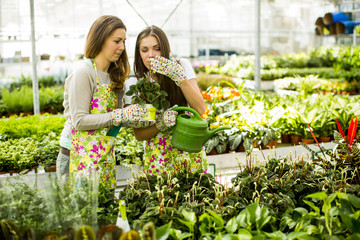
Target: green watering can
{"x":191,"y":132}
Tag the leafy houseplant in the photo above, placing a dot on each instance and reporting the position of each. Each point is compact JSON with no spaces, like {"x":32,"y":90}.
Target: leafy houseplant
{"x":147,"y":92}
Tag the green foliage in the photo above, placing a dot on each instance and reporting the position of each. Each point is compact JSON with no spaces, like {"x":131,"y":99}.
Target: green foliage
{"x":146,"y":92}
{"x":128,"y":150}
{"x":30,"y":126}
{"x":57,"y":209}
{"x":21,"y":100}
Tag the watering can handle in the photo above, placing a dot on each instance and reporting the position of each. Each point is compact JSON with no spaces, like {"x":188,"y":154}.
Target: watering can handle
{"x":197,"y":115}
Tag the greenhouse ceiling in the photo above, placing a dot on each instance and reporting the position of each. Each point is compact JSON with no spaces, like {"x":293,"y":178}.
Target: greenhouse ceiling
{"x":75,"y":16}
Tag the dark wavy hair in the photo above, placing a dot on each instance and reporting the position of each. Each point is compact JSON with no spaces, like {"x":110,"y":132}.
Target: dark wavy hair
{"x":99,"y":31}
{"x":175,"y":95}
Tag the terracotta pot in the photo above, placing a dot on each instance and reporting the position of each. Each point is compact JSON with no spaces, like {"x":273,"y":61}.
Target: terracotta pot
{"x":307,"y":141}
{"x":324,"y":139}
{"x":11,"y":172}
{"x":270,"y":145}
{"x":1,"y":173}
{"x":256,"y":145}
{"x":240,"y":148}
{"x":285,"y":138}
{"x":50,"y":168}
{"x":295,"y":139}
{"x":212,"y":152}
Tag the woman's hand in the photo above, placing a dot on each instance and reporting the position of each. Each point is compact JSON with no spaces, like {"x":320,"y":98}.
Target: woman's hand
{"x":132,"y":116}
{"x":166,"y":120}
{"x":168,"y":67}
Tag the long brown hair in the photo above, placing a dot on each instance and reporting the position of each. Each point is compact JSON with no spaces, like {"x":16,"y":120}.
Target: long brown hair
{"x":99,"y":31}
{"x":175,"y":95}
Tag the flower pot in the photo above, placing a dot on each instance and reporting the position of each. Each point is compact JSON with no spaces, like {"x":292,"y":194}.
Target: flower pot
{"x":324,"y":139}
{"x":50,"y":168}
{"x":256,"y":145}
{"x":270,"y":145}
{"x":295,"y":139}
{"x":307,"y":141}
{"x":285,"y":138}
{"x":212,"y":152}
{"x":152,"y":112}
{"x":240,"y":148}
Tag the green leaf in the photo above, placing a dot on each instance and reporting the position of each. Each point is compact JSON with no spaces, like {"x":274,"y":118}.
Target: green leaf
{"x":235,"y":141}
{"x":296,"y":235}
{"x":278,"y":235}
{"x":244,"y":234}
{"x":318,"y":195}
{"x":312,"y":205}
{"x":216,"y":218}
{"x":190,"y":216}
{"x":231,"y":225}
{"x":162,"y":232}
{"x":350,"y":222}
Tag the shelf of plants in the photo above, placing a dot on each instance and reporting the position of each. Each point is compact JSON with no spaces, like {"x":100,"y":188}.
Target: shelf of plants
{"x":278,"y":193}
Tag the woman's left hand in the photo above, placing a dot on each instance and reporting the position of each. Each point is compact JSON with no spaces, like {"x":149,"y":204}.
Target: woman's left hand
{"x":166,"y":120}
{"x":169,"y":67}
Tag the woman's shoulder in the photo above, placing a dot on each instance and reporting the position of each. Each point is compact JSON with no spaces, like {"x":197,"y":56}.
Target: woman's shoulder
{"x":82,"y":66}
{"x":184,"y":61}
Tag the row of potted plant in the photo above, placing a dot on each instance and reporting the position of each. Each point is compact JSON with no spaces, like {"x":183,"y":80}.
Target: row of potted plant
{"x":340,"y":62}
{"x":288,"y":114}
{"x":280,"y":198}
{"x":20,"y":100}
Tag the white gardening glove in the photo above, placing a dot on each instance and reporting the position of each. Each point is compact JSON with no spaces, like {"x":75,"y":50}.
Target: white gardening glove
{"x":131,"y":114}
{"x":168,"y":67}
{"x":166,"y":120}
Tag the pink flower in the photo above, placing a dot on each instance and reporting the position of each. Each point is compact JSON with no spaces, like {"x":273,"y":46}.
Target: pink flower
{"x":81,"y":166}
{"x":162,"y":142}
{"x":94,"y":103}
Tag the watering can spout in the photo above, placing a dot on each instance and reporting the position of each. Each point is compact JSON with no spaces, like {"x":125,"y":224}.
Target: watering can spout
{"x":209,"y":134}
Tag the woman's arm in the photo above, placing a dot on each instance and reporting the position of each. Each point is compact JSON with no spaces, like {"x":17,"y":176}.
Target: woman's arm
{"x":81,"y":88}
{"x":193,"y":96}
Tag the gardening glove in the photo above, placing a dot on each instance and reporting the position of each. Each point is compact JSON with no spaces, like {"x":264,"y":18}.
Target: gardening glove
{"x":141,"y":124}
{"x":129,"y":115}
{"x":165,"y":120}
{"x":168,"y":67}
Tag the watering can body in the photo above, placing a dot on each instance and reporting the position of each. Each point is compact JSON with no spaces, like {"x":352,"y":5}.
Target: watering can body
{"x":191,"y":131}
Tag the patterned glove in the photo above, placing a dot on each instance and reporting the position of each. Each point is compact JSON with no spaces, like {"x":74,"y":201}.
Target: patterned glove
{"x":168,"y":67}
{"x":129,"y":115}
{"x":166,"y":120}
{"x":141,"y":124}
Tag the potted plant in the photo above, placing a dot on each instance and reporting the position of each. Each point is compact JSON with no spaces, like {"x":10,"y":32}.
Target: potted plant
{"x":266,"y":136}
{"x":240,"y":140}
{"x":148,"y":94}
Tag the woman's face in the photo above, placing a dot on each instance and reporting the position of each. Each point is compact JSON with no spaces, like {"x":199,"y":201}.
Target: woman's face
{"x":149,"y":48}
{"x":114,"y":45}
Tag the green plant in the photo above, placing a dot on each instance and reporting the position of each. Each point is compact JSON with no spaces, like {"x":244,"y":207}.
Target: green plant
{"x":147,"y":92}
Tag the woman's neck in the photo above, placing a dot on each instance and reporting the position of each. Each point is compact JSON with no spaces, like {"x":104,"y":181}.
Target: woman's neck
{"x":102,"y":64}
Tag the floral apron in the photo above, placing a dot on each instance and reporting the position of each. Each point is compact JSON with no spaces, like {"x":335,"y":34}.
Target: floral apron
{"x":92,"y":152}
{"x":161,"y":157}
